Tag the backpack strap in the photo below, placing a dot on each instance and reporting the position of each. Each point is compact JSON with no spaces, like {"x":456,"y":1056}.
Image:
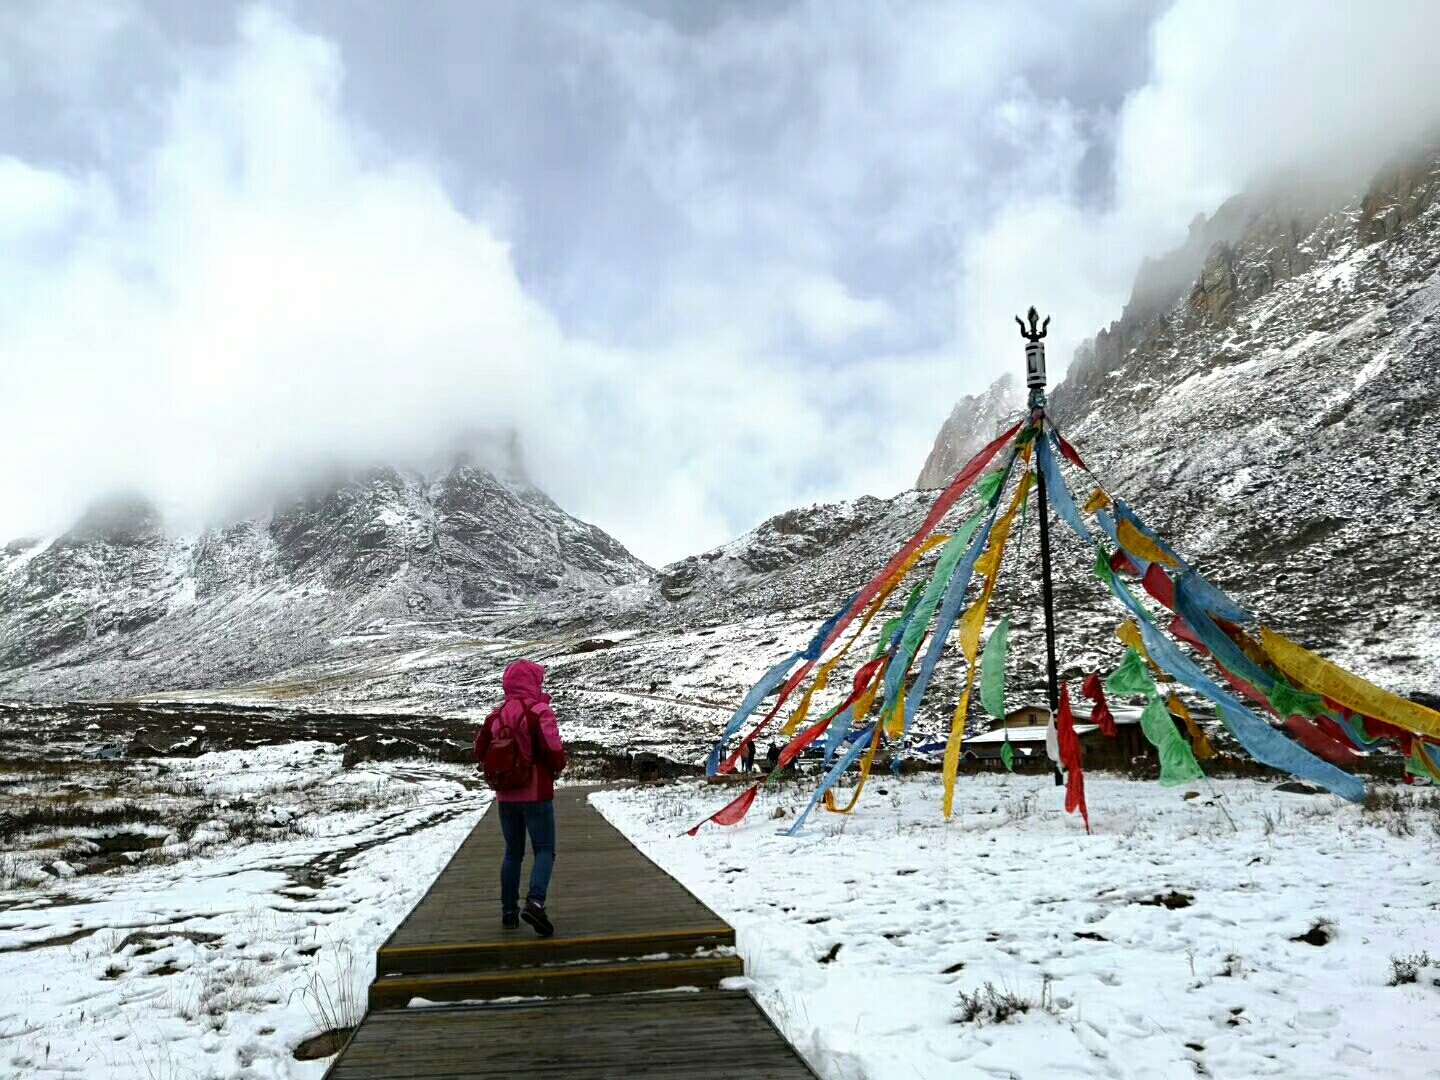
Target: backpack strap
{"x":539,"y":751}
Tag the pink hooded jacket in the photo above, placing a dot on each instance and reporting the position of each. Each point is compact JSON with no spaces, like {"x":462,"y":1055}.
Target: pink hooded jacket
{"x":523,"y":683}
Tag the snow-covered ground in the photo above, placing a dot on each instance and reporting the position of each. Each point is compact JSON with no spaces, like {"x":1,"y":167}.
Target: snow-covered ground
{"x":216,"y":954}
{"x":861,"y":934}
{"x":1163,"y":945}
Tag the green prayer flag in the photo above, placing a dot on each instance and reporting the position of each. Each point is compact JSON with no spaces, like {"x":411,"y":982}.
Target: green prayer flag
{"x":950,"y":556}
{"x":1289,"y":702}
{"x":1130,"y":678}
{"x":913,"y":599}
{"x":989,"y":486}
{"x":1007,"y":754}
{"x":886,"y":632}
{"x":992,"y":670}
{"x":1177,"y":761}
{"x":1102,"y":566}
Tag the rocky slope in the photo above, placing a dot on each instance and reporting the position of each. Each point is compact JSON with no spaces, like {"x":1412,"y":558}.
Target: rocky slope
{"x":1273,"y":414}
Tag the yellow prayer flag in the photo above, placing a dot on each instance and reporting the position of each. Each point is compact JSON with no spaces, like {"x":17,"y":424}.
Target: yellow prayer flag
{"x":971,"y":626}
{"x":1318,"y":675}
{"x":1141,"y":546}
{"x":1199,"y":741}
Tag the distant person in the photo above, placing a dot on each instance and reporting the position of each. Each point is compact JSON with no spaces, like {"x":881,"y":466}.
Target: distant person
{"x":772,"y":756}
{"x":520,"y":749}
{"x":749,"y":756}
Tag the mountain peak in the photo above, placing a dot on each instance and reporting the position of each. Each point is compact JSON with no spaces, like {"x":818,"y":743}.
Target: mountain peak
{"x":123,"y":518}
{"x":975,"y":420}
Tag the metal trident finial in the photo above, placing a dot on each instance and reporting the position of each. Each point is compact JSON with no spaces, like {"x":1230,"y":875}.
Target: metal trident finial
{"x":1033,"y":334}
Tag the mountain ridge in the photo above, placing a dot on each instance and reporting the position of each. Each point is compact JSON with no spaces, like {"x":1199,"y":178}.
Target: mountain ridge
{"x":378,"y":544}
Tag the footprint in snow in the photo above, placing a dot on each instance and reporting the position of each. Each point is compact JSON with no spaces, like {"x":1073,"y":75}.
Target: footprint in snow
{"x":1318,"y":1020}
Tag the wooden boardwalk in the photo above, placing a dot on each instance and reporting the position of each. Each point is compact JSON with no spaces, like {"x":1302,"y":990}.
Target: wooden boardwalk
{"x":631,"y":981}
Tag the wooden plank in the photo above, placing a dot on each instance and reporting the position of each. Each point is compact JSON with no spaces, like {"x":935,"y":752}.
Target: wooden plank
{"x":677,"y":1036}
{"x":524,"y":950}
{"x":567,"y":980}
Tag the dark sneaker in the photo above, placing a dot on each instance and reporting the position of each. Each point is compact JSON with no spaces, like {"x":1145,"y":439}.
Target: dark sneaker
{"x":534,"y":914}
{"x":510,"y":920}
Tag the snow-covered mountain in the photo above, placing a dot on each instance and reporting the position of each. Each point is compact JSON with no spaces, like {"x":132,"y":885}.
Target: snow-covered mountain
{"x":1277,"y":418}
{"x":117,"y":606}
{"x":1267,"y":401}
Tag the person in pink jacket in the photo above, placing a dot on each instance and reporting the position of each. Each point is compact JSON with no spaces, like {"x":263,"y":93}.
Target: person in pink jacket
{"x":527,"y":717}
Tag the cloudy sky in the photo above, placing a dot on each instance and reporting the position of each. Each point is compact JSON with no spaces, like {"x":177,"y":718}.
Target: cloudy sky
{"x":709,"y":260}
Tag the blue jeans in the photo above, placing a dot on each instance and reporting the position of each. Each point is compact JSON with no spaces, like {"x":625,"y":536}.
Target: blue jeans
{"x":516,"y":819}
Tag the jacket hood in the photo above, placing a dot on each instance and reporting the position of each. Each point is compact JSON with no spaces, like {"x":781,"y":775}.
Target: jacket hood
{"x":524,"y":681}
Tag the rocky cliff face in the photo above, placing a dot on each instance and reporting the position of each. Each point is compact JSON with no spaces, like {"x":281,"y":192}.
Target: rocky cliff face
{"x":975,"y":420}
{"x":1277,"y":419}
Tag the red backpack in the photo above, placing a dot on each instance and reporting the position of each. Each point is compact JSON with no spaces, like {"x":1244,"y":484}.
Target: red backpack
{"x":506,"y":764}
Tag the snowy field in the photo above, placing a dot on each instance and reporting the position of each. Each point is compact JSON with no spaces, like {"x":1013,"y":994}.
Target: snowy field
{"x":242,"y":919}
{"x":1167,"y":944}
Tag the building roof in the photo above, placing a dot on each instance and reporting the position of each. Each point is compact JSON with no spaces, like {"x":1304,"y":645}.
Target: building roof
{"x":1124,"y":714}
{"x":1034,"y":733}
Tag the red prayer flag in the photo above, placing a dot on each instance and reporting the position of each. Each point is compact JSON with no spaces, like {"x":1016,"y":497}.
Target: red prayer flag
{"x":1314,"y":739}
{"x":1070,"y":758}
{"x":1328,"y":725}
{"x":1160,"y":585}
{"x":1388,"y":731}
{"x":1069,"y":451}
{"x":1181,"y":629}
{"x":1247,"y":689}
{"x":1100,"y":714}
{"x":1103,"y":718}
{"x":1120,"y":564}
{"x":734,"y":812}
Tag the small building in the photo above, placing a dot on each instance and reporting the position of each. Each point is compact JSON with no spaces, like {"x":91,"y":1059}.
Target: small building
{"x":1024,"y":728}
{"x":1025,"y":716}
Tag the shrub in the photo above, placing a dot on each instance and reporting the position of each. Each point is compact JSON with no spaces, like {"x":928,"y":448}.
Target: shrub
{"x":1406,"y":969}
{"x":987,"y":1005}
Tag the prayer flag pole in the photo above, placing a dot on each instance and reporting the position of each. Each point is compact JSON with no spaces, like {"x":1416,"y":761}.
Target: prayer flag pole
{"x":1035,"y":380}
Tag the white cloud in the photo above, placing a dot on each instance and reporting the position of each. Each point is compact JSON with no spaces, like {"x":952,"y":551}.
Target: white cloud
{"x":1242,"y":90}
{"x":281,"y":294}
{"x":289,"y":294}
{"x":829,"y":313}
